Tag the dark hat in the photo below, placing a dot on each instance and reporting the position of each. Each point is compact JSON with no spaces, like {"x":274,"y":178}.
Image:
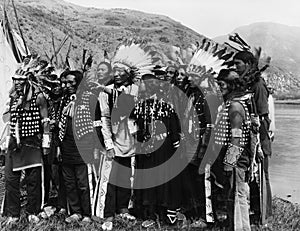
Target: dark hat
{"x":227,"y":75}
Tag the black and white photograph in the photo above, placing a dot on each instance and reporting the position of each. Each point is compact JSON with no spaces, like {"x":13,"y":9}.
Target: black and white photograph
{"x":149,"y":115}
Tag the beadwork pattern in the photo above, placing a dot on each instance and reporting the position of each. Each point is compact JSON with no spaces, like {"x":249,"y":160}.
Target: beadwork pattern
{"x":29,"y":120}
{"x":83,"y":122}
{"x":223,"y":129}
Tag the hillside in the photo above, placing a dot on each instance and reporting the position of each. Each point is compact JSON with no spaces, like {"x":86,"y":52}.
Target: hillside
{"x":281,"y":42}
{"x":91,"y":28}
{"x":99,"y":29}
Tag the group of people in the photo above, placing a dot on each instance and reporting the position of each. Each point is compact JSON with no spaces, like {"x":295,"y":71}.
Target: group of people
{"x":138,"y":140}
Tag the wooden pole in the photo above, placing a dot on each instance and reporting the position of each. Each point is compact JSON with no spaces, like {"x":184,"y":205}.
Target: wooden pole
{"x":67,"y":55}
{"x":53,"y":46}
{"x":19,"y":27}
{"x":62,"y":43}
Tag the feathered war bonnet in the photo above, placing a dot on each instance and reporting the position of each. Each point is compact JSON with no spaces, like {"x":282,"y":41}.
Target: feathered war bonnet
{"x":26,"y":72}
{"x":39,"y":74}
{"x":202,"y":62}
{"x":137,"y":57}
{"x":26,"y":69}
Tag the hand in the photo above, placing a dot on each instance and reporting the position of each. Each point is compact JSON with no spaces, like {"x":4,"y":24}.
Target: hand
{"x":95,"y":85}
{"x":259,"y":155}
{"x":201,"y":169}
{"x":99,"y":87}
{"x":5,"y":149}
{"x":58,"y":155}
{"x":46,"y":151}
{"x":271,"y":135}
{"x":110,"y":153}
{"x":202,"y":151}
{"x":6,"y":144}
{"x":96,"y":153}
{"x":182,"y":136}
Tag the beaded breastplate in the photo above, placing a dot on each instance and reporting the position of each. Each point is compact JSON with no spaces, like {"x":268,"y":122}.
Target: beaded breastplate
{"x":147,"y":112}
{"x":27,"y":120}
{"x":223,"y":127}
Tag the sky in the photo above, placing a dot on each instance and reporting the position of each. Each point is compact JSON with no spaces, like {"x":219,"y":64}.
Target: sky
{"x":211,"y":17}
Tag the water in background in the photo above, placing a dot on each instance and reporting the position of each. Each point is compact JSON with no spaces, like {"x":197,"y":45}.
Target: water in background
{"x":285,"y":161}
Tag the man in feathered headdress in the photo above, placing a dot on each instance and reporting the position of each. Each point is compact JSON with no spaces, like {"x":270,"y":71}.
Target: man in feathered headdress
{"x":194,"y":75}
{"x":193,"y":110}
{"x":132,"y":59}
{"x":29,"y":140}
{"x":51,"y":87}
{"x":246,"y":65}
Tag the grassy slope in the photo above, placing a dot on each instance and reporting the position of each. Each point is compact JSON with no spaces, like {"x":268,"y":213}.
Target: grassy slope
{"x":93,"y":29}
{"x":286,"y":217}
{"x":98,"y":29}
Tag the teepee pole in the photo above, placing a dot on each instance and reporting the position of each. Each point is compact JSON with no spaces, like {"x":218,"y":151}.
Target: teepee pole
{"x":19,"y":27}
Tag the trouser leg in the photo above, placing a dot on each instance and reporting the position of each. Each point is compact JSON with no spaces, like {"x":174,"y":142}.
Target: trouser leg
{"x":83,"y":188}
{"x":62,"y":195}
{"x":119,"y":188}
{"x":34,"y":190}
{"x":268,"y":187}
{"x":229,"y":197}
{"x":110,"y":201}
{"x":123,"y":174}
{"x":241,"y":215}
{"x":71,"y":188}
{"x":47,"y":179}
{"x":12,"y":189}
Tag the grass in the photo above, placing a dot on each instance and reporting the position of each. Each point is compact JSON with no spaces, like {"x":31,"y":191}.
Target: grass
{"x":286,"y":217}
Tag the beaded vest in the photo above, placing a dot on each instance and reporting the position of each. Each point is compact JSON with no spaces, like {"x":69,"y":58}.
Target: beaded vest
{"x":29,"y":121}
{"x":223,"y":128}
{"x":82,"y":121}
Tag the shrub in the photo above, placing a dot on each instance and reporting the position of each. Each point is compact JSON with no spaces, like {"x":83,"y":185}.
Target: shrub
{"x":164,"y":39}
{"x":112,"y":23}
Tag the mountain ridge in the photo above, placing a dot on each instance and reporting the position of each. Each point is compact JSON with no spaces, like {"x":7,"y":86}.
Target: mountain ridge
{"x":277,"y":40}
{"x":97,"y":30}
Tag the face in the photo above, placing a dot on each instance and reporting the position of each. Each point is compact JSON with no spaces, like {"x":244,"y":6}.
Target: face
{"x":57,"y":90}
{"x":240,"y":66}
{"x":120,"y":75}
{"x":223,"y":87}
{"x":69,"y":84}
{"x":181,"y":76}
{"x":19,"y":84}
{"x":170,"y":73}
{"x":102,"y":72}
{"x":150,"y":86}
